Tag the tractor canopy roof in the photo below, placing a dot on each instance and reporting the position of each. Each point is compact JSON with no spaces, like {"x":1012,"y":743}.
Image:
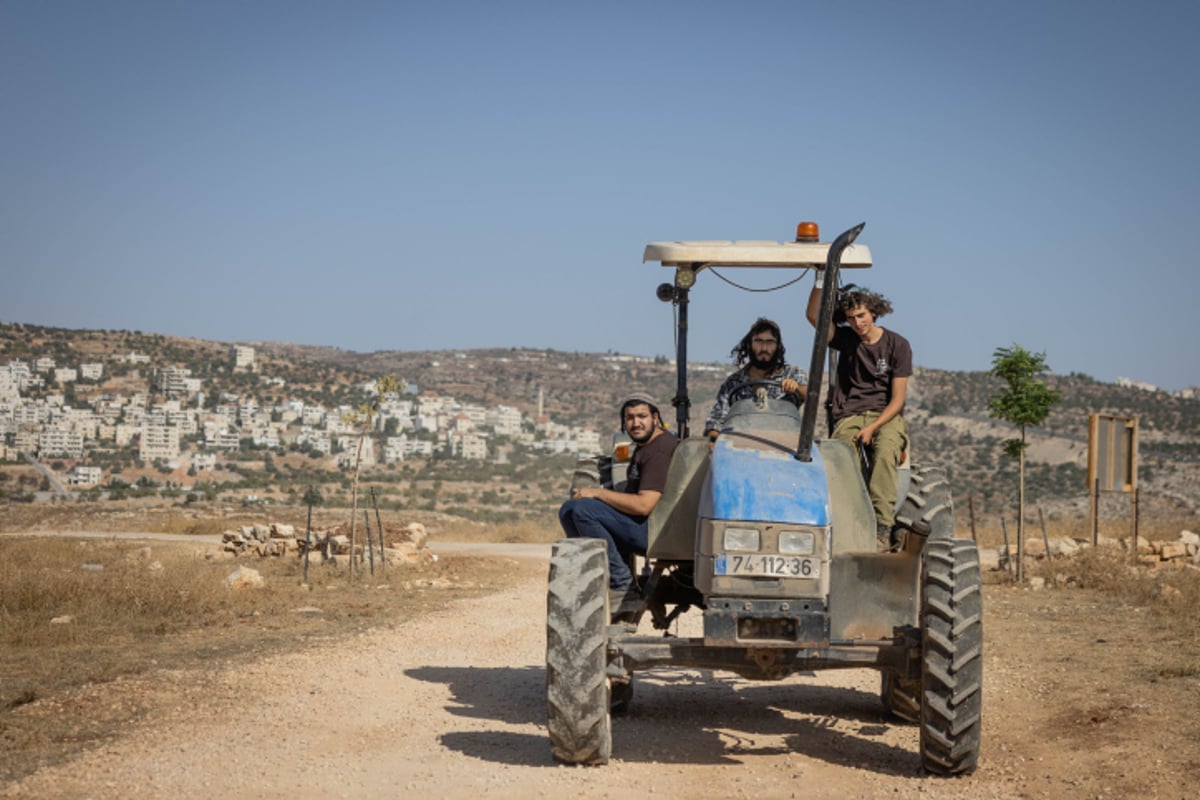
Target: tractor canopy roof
{"x":700,"y":254}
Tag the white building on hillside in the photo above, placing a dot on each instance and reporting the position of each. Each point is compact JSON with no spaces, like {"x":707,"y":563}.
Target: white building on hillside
{"x":504,"y":420}
{"x":242,"y":358}
{"x":158,"y":442}
{"x":60,"y":443}
{"x":172,"y":381}
{"x":219,"y":438}
{"x":25,"y":441}
{"x":1129,"y":383}
{"x":349,"y":451}
{"x":84,"y":476}
{"x":125,"y":433}
{"x":317,"y":440}
{"x":418,"y":447}
{"x":588,"y":441}
{"x":204,"y":462}
{"x":393,"y":449}
{"x":466,"y":445}
{"x":264,"y":436}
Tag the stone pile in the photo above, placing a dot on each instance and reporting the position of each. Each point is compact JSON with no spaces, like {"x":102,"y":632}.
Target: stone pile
{"x":402,"y":545}
{"x":1184,"y":552}
{"x":275,"y":539}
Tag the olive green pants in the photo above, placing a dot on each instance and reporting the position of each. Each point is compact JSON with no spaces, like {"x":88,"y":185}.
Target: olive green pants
{"x":886,"y":449}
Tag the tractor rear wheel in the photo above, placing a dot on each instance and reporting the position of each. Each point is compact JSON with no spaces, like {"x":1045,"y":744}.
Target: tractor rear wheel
{"x":952,"y":656}
{"x":577,"y":617}
{"x":901,"y":697}
{"x":927,"y":508}
{"x":620,"y":695}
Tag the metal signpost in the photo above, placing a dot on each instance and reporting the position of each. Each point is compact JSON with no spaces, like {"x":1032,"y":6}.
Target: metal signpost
{"x":1112,"y":464}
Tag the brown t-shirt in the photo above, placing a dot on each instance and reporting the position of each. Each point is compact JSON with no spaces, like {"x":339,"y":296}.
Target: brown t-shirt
{"x":648,"y":467}
{"x":865,"y":371}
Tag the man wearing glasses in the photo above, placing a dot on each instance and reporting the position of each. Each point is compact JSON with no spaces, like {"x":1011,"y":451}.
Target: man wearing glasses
{"x":759,"y":357}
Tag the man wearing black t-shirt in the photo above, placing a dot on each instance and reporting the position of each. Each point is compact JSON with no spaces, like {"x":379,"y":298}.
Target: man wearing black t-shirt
{"x":619,"y":517}
{"x":867,"y":401}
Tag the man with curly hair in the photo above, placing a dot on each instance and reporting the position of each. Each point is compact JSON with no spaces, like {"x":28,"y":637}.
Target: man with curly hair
{"x":867,"y":400}
{"x":759,"y":357}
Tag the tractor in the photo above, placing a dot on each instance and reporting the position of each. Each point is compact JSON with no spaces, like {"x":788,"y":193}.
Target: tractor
{"x":769,"y":532}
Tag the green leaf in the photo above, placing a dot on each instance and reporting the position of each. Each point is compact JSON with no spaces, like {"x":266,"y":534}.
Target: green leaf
{"x":1014,"y":447}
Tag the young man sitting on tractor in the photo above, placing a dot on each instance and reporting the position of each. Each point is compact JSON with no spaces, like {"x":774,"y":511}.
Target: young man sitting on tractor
{"x":867,"y":398}
{"x":619,"y":517}
{"x":760,"y":360}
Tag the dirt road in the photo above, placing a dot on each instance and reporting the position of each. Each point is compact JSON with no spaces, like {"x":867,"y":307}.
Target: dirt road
{"x":452,"y":705}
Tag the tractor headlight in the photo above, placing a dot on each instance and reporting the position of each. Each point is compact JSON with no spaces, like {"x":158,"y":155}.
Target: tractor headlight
{"x":745,"y":539}
{"x":685,"y":277}
{"x":797,"y":542}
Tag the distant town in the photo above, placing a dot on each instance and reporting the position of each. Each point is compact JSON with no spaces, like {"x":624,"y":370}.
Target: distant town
{"x":489,"y":434}
{"x":171,"y":423}
{"x":1187,"y":393}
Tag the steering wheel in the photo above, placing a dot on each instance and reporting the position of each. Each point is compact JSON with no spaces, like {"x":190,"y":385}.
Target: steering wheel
{"x":751,"y":383}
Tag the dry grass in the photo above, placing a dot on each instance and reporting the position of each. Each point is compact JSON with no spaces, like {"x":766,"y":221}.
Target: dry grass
{"x":137,"y":610}
{"x":123,"y":607}
{"x":990,"y":533}
{"x":514,"y":533}
{"x":1171,"y":590}
{"x":1171,"y":593}
{"x":158,"y":516}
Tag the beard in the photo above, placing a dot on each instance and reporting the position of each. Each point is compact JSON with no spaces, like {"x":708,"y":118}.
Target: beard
{"x":645,"y":438}
{"x":767,"y":366}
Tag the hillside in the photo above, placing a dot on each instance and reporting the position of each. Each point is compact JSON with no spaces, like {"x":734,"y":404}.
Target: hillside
{"x":947,"y":416}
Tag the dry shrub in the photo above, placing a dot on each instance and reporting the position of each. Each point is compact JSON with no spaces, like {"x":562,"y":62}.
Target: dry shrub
{"x":990,"y":533}
{"x":1172,"y":590}
{"x":1177,"y":668}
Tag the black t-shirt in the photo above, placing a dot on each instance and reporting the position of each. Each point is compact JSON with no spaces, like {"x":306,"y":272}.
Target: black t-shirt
{"x":865,"y":371}
{"x":648,"y":467}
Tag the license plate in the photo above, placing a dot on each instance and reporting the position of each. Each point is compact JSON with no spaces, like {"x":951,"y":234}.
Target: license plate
{"x":767,"y":566}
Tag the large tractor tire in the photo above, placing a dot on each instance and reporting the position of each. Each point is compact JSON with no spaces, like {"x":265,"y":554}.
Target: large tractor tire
{"x":901,"y":697}
{"x":927,"y":508}
{"x":952,"y":657}
{"x":577,"y":694}
{"x":620,"y":696}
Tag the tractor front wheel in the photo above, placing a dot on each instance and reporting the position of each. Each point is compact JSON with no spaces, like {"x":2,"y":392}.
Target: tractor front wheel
{"x":951,"y":657}
{"x":577,"y":617}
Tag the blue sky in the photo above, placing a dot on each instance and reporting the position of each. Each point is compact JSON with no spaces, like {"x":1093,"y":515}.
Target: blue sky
{"x":391,"y":175}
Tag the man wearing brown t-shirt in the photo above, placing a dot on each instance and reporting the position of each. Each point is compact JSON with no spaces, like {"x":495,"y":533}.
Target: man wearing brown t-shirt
{"x":867,"y":401}
{"x":619,"y":517}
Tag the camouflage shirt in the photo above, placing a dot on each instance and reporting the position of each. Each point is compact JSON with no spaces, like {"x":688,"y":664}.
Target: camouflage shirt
{"x":726,"y":395}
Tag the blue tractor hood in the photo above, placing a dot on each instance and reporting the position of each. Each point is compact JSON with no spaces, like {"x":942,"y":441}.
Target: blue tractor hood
{"x":754,"y":480}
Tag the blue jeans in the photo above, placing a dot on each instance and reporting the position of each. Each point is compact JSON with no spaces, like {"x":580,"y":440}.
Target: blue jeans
{"x":595,"y":519}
